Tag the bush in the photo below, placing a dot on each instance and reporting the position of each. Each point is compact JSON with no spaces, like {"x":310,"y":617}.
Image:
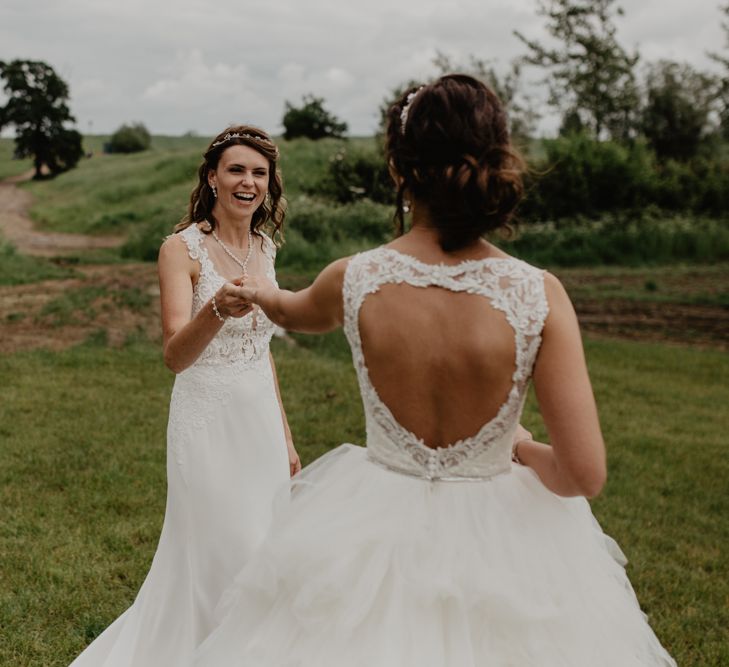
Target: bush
{"x":311,"y":120}
{"x":647,"y":239}
{"x":318,"y":233}
{"x":581,"y":176}
{"x":129,"y":139}
{"x":357,"y":174}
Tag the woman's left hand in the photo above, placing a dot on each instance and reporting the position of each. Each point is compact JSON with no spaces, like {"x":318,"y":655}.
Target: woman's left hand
{"x":294,"y":460}
{"x":251,"y":287}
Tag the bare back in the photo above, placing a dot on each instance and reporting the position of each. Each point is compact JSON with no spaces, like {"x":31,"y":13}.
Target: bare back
{"x":442,"y":361}
{"x":443,"y":355}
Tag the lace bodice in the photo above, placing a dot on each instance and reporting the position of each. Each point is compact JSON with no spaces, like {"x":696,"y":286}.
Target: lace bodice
{"x":513,"y":287}
{"x":244,"y":340}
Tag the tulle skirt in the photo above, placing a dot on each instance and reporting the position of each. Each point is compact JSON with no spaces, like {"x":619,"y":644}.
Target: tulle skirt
{"x":365,"y":567}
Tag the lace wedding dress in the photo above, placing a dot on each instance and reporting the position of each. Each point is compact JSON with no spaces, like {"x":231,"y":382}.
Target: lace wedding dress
{"x":399,"y":555}
{"x":226,"y":458}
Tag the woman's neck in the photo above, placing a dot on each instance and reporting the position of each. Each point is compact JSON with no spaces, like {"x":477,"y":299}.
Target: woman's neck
{"x":233,"y":231}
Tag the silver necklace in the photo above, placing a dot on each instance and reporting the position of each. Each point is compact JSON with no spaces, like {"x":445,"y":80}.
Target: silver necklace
{"x":244,"y":264}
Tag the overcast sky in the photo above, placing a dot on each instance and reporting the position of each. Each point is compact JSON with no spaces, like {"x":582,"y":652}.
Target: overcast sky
{"x":190,"y":65}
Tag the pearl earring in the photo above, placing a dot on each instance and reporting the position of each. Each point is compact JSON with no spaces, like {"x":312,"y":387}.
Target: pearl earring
{"x":215,"y":191}
{"x":406,"y":206}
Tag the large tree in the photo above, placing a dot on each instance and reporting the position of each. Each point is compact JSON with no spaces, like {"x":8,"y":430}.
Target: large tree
{"x":676,"y":117}
{"x":37,"y":108}
{"x":591,"y":78}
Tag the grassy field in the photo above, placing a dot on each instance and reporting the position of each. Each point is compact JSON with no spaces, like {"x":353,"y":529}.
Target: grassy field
{"x":83,"y":482}
{"x":82,"y":430}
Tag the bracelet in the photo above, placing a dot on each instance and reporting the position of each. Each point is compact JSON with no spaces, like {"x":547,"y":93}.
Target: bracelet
{"x":216,"y":311}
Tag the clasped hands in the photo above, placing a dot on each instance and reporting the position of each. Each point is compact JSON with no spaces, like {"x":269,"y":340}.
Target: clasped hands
{"x":237,"y":297}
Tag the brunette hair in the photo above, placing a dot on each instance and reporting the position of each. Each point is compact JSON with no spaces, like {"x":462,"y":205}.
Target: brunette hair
{"x":449,"y":143}
{"x":268,"y":218}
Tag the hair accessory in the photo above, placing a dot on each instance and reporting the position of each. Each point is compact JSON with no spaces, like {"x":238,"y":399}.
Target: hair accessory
{"x":406,"y":108}
{"x":239,"y":135}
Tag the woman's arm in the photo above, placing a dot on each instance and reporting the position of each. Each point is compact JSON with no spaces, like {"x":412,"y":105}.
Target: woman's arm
{"x":316,"y":309}
{"x":185,"y":337}
{"x":575,"y":462}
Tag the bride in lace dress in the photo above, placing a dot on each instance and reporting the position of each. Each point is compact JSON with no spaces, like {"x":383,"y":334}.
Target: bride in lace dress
{"x":228,"y":444}
{"x":453,"y":539}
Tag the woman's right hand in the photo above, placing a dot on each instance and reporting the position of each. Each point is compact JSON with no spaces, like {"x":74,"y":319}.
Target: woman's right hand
{"x":230,"y":302}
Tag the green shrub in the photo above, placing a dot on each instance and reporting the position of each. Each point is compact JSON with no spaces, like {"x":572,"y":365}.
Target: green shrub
{"x":622,"y":241}
{"x":129,"y":139}
{"x":581,"y":176}
{"x":311,"y":120}
{"x":318,"y":232}
{"x":355,"y":174}
{"x":577,"y":176}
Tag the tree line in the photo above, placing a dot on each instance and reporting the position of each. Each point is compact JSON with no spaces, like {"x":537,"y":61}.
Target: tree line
{"x":598,"y":88}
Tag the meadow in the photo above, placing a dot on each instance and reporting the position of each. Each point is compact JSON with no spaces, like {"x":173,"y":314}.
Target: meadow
{"x":82,"y":429}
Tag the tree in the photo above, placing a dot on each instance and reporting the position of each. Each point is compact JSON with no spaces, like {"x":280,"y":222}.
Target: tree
{"x":522,"y":115}
{"x":129,"y":139}
{"x":723,"y":60}
{"x":37,"y":109}
{"x":676,"y":117}
{"x":589,"y":73}
{"x":311,"y":120}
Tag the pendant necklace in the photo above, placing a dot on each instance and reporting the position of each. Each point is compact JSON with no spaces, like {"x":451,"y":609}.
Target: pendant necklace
{"x":243,"y":264}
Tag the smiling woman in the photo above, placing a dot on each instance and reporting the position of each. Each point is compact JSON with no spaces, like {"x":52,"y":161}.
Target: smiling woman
{"x":229,"y":448}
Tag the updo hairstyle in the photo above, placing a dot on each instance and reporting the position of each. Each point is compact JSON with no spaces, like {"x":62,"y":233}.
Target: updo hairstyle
{"x":269,"y":216}
{"x":449,"y":143}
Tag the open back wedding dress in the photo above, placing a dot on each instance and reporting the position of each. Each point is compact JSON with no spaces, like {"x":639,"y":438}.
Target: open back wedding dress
{"x":404,"y":555}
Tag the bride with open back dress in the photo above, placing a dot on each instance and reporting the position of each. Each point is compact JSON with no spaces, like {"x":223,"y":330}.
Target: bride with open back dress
{"x":453,"y":539}
{"x":229,"y":449}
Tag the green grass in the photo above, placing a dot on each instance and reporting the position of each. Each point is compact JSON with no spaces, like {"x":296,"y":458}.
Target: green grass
{"x":697,"y":284}
{"x":82,"y":481}
{"x":9,"y":166}
{"x":18,"y":269}
{"x":114,"y":193}
{"x":82,"y":304}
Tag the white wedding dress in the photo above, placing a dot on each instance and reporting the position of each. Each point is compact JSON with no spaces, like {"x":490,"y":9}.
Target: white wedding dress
{"x":226,"y":458}
{"x":399,"y":555}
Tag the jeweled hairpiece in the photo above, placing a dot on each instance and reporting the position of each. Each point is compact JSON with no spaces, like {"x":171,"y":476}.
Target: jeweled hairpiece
{"x":406,"y":108}
{"x":239,"y":135}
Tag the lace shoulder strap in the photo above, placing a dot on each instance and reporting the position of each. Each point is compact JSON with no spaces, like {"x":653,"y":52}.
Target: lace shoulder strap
{"x":362,"y":276}
{"x":269,"y":248}
{"x":193,"y":238}
{"x":526,"y":296}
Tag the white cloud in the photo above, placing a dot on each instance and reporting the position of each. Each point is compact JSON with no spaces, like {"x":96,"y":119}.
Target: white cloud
{"x":193,"y":64}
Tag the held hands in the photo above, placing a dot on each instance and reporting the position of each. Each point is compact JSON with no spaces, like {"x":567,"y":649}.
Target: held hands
{"x":236,"y":298}
{"x":252,"y":288}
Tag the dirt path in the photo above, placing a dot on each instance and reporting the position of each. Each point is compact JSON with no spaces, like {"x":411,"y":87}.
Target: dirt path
{"x":17,"y":227}
{"x":119,"y":300}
